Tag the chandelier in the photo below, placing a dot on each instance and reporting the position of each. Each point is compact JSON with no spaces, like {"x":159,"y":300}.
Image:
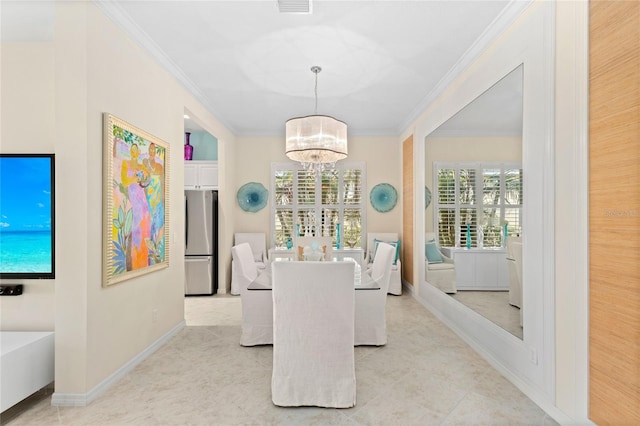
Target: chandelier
{"x":316,"y":141}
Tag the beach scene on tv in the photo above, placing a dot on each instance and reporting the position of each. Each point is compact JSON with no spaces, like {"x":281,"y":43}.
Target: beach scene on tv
{"x":26,"y":215}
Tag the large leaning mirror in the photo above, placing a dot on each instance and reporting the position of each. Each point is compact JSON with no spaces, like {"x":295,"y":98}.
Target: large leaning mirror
{"x":474,"y":199}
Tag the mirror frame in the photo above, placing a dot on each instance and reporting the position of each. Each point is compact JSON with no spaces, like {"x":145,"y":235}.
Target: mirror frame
{"x":463,"y":130}
{"x":528,"y":363}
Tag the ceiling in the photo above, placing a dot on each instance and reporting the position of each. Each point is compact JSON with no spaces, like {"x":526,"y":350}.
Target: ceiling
{"x":496,"y":112}
{"x":249,"y":65}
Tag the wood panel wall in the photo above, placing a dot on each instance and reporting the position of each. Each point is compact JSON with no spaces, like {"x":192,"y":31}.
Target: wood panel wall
{"x":614,"y":212}
{"x":407,"y":210}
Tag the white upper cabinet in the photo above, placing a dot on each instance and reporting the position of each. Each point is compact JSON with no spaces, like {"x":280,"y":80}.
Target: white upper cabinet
{"x":201,"y":175}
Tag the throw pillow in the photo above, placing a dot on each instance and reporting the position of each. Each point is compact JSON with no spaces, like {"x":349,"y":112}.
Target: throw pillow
{"x":395,"y":244}
{"x":432,"y":252}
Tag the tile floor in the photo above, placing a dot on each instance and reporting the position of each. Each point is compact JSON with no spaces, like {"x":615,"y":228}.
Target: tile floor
{"x":493,"y":305}
{"x":425,"y":375}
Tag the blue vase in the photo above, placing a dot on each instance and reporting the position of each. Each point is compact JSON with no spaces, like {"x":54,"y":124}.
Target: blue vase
{"x":506,"y":234}
{"x":337,"y":236}
{"x":289,"y":243}
{"x":468,"y":236}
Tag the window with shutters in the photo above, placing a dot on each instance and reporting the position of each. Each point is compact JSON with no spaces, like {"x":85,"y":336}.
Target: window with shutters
{"x":477,"y":203}
{"x":314,"y":204}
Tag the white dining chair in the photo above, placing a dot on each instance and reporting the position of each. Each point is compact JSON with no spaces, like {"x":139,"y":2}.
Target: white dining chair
{"x":313,"y":353}
{"x":373,"y":238}
{"x":514,"y":263}
{"x":370,"y":307}
{"x":258,"y":243}
{"x":257,"y":307}
{"x":324,"y":245}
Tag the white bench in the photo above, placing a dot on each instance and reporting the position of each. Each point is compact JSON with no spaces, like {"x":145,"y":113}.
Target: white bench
{"x":26,"y":365}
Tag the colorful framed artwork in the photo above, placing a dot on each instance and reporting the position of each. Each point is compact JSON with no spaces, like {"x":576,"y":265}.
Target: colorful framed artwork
{"x":136,"y":202}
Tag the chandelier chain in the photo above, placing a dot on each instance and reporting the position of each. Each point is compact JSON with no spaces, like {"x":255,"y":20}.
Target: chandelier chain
{"x":316,"y":69}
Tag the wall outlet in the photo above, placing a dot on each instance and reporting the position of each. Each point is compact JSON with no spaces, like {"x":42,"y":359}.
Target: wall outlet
{"x":154,"y":315}
{"x":533,"y":355}
{"x":11,"y":289}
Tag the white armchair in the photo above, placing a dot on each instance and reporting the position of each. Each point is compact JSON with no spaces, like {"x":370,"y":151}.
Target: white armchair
{"x":313,"y":353}
{"x":257,"y":306}
{"x":440,"y":270}
{"x":370,"y":316}
{"x":395,"y":283}
{"x":258,"y":243}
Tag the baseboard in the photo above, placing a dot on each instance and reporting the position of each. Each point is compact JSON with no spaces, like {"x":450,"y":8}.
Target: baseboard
{"x":83,"y":399}
{"x":407,"y":287}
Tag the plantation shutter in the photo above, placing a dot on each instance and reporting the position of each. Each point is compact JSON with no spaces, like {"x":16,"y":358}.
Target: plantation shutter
{"x":313,"y":204}
{"x":283,"y":206}
{"x":445,"y":206}
{"x":474,"y":202}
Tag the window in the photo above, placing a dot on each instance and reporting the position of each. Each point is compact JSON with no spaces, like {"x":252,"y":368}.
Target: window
{"x":305,"y":203}
{"x":475,"y":202}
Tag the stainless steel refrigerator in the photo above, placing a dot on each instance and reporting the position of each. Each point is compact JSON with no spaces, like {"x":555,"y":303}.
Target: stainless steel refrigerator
{"x":201,"y":243}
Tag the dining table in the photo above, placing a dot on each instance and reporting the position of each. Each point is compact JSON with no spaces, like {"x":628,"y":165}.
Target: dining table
{"x":263,"y":281}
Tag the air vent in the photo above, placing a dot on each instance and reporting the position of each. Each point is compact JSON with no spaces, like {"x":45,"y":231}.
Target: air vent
{"x":294,"y":6}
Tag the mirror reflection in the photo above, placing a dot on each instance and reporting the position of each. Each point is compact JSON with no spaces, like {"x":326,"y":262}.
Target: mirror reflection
{"x":474,"y":199}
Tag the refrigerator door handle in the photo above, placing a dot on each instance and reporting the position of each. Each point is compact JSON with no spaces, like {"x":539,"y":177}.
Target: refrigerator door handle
{"x":197,"y":259}
{"x":186,"y":222}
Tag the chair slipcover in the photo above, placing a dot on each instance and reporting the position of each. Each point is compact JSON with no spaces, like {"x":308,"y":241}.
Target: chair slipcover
{"x":514,"y":261}
{"x":514,"y":258}
{"x":258,"y":243}
{"x":370,"y":316}
{"x":441,"y":275}
{"x":324,"y":243}
{"x":395,"y":283}
{"x":313,"y":354}
{"x":257,"y":307}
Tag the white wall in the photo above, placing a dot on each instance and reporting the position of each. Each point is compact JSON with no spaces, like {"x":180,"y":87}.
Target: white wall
{"x":530,"y":363}
{"x":53,"y":98}
{"x":572,"y":209}
{"x":27,"y":111}
{"x":382,"y":156}
{"x":567,"y":401}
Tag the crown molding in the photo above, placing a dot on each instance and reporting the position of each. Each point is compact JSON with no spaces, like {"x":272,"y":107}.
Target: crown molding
{"x":508,"y":15}
{"x":121,"y":18}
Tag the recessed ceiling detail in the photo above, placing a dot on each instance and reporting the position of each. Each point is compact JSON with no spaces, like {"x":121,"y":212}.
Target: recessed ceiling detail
{"x":383,"y":61}
{"x":276,"y":61}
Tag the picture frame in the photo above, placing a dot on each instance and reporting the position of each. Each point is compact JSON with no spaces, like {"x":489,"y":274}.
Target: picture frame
{"x":135,"y":201}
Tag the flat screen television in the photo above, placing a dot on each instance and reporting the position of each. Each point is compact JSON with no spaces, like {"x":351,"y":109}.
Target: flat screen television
{"x":27,"y":219}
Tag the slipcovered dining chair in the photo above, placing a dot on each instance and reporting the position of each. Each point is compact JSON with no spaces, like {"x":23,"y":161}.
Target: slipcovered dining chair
{"x":323,"y":245}
{"x":514,"y":262}
{"x":257,"y":306}
{"x":313,"y":353}
{"x":370,"y":316}
{"x":258,"y":243}
{"x":395,"y":282}
{"x":440,"y":270}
